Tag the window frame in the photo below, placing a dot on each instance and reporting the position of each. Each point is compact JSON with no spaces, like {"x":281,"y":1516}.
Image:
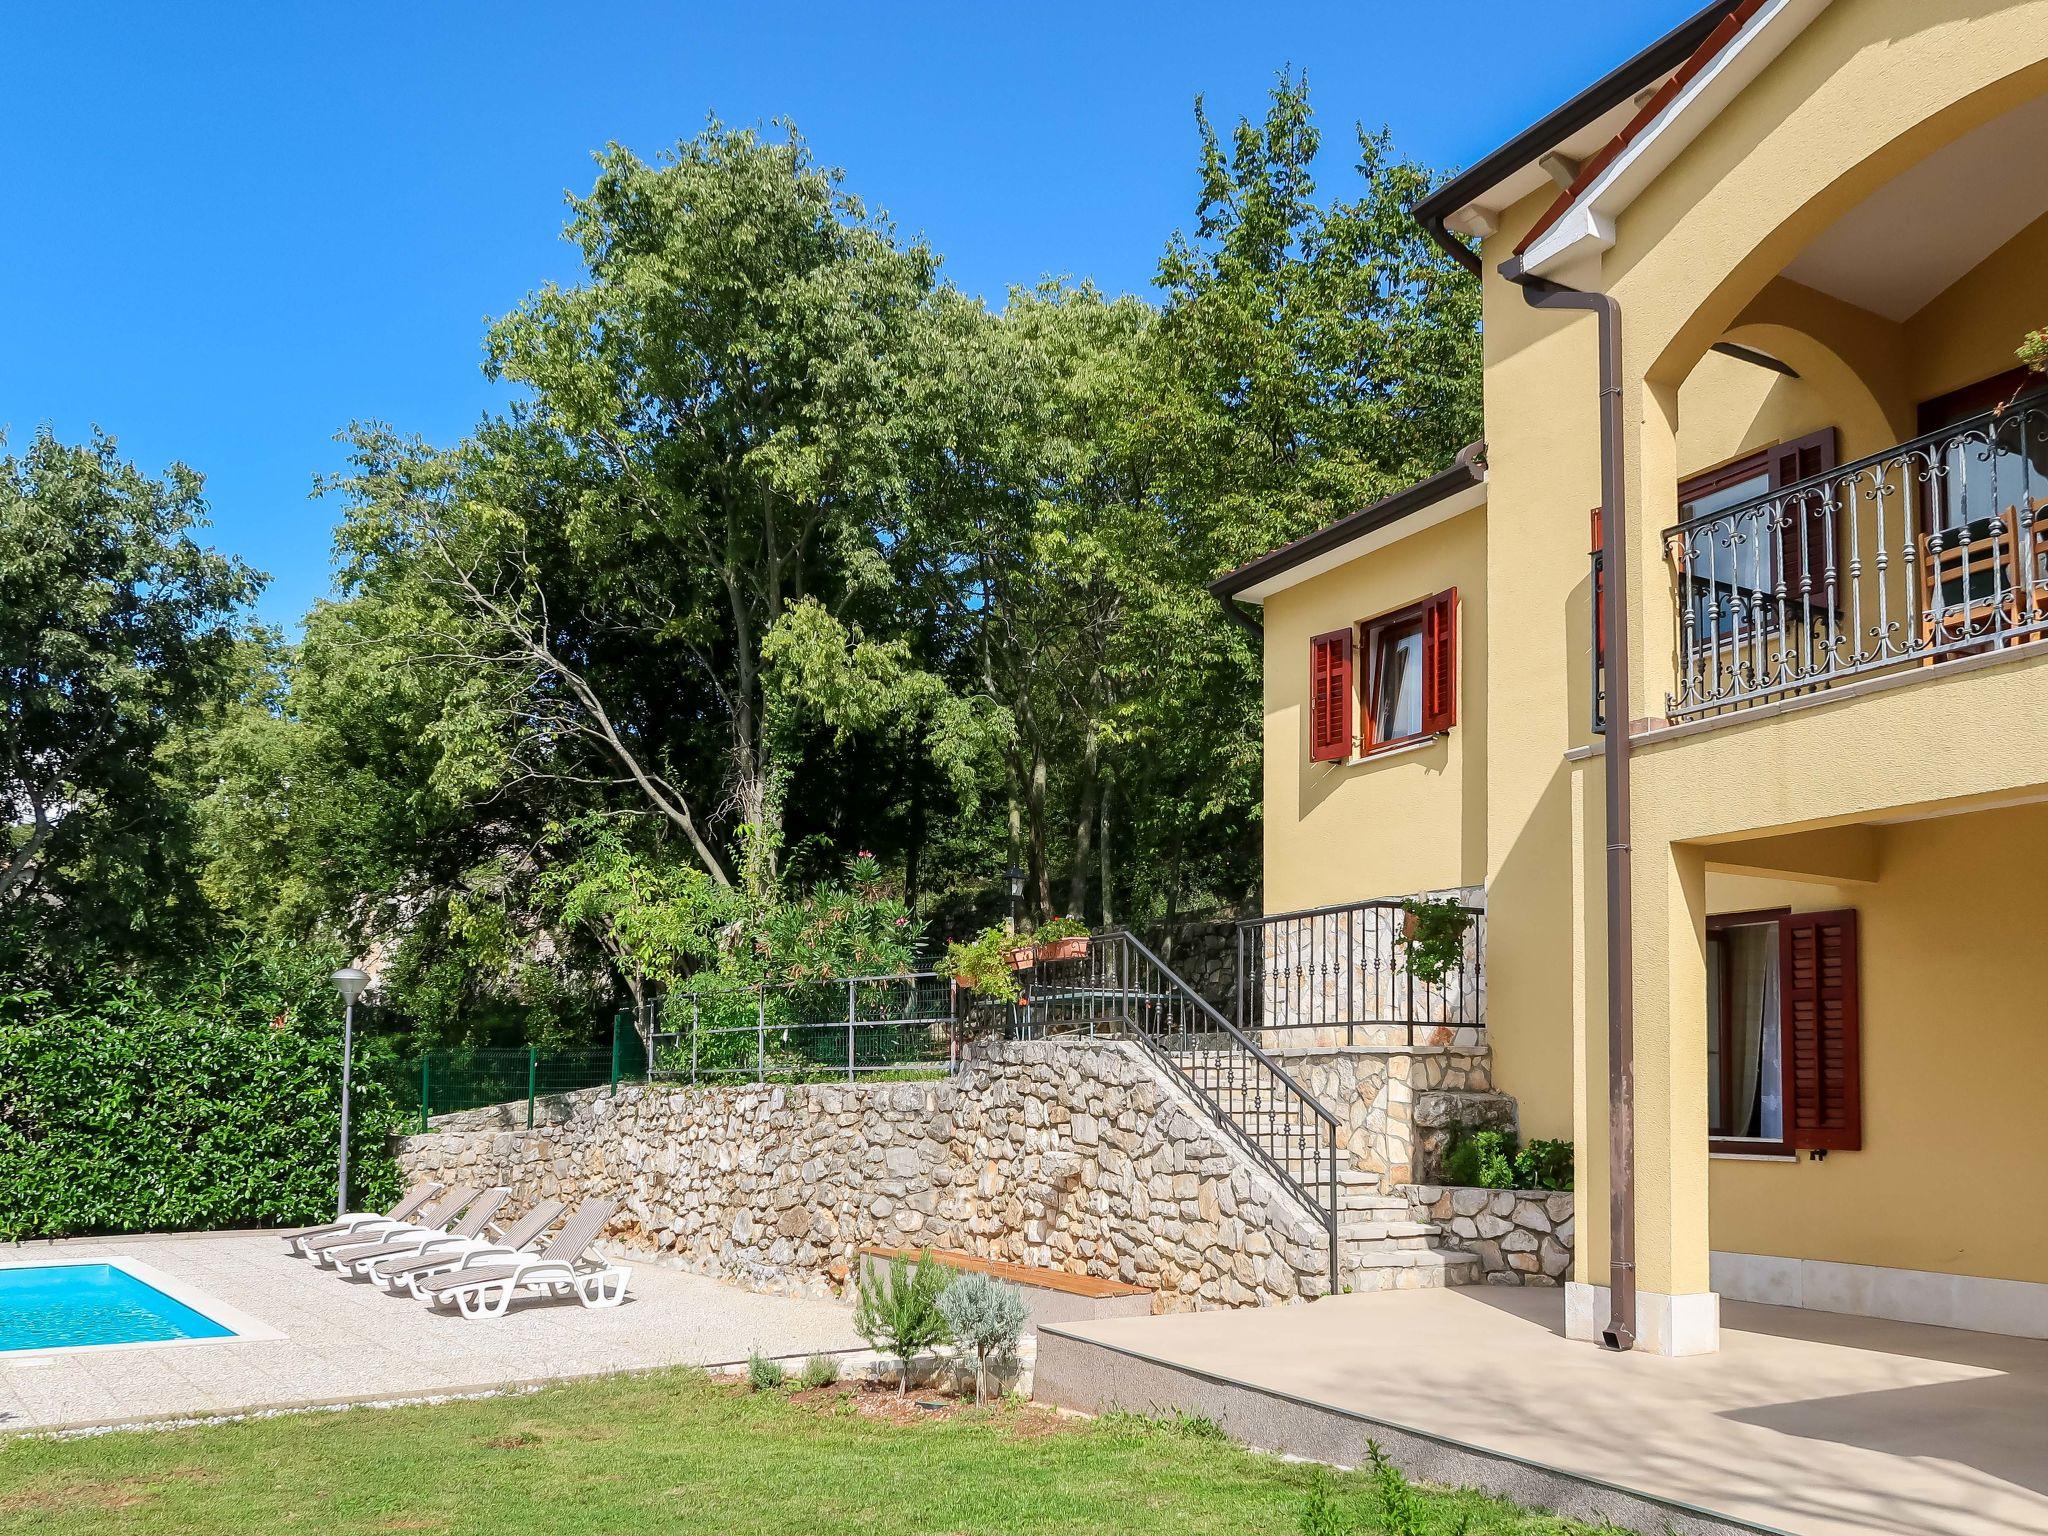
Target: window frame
{"x":1724,"y":1032}
{"x":1409,"y":617}
{"x":1768,"y":461}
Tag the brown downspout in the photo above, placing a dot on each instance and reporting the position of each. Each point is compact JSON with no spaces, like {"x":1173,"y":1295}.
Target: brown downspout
{"x":1620,"y":1332}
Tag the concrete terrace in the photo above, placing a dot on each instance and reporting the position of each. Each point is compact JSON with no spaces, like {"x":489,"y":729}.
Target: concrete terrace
{"x":1806,"y":1422}
{"x":343,"y":1340}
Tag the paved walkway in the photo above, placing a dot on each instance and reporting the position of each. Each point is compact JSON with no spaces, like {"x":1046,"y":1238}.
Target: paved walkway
{"x":344,"y":1340}
{"x":1805,"y":1422}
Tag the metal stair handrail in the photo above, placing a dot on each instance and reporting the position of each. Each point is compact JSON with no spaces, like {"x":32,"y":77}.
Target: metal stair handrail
{"x":1286,"y":1146}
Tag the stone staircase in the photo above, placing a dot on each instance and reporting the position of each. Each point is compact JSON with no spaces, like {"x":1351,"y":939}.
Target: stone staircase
{"x":1383,"y":1241}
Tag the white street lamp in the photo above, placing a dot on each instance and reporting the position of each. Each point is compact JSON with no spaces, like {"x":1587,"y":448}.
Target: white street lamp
{"x":349,"y":982}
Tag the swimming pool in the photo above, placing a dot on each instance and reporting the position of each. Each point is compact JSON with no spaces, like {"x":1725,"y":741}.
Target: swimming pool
{"x":96,"y":1304}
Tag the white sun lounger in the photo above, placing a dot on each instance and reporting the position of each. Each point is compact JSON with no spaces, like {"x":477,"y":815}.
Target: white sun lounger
{"x":407,"y":1207}
{"x":475,"y":1219}
{"x":400,"y":1275}
{"x":436,"y":1216}
{"x":486,"y":1288}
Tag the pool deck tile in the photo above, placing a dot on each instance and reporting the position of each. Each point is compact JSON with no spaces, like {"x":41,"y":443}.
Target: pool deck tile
{"x":345,"y":1341}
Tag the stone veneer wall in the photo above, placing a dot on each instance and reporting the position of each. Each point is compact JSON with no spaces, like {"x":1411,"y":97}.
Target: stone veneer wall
{"x":1519,"y":1236}
{"x":1203,"y":953}
{"x":1071,"y":1155}
{"x":1396,"y":1103}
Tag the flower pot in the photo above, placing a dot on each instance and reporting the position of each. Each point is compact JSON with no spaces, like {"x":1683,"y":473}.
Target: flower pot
{"x":1074,"y":948}
{"x":1021,"y":956}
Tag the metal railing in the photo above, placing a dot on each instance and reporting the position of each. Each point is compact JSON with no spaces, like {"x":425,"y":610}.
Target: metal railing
{"x":1340,"y":975}
{"x":452,"y":1081}
{"x":806,"y":1031}
{"x":1933,"y":549}
{"x":1120,"y":987}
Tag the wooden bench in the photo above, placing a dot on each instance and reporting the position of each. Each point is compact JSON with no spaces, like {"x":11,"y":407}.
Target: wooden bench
{"x":1053,"y":1295}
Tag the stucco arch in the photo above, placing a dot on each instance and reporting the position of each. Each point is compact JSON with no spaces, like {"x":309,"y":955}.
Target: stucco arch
{"x":1854,"y":404}
{"x":1873,"y":89}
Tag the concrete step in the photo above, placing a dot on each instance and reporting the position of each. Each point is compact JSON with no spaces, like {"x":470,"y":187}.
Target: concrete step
{"x":1428,"y":1270}
{"x":1347,"y":1177}
{"x":1352,"y":1230}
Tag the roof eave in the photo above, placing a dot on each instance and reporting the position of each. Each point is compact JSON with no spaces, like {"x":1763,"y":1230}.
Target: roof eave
{"x":1613,"y":88}
{"x":1467,"y":471}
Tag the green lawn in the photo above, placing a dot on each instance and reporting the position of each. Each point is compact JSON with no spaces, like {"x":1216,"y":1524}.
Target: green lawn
{"x":678,"y":1453}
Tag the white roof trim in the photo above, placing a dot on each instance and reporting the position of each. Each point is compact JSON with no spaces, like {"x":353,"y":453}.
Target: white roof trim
{"x":1588,"y":225}
{"x":1434,"y":515}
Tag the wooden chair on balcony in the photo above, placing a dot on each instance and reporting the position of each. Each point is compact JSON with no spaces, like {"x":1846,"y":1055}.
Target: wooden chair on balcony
{"x":2030,"y":591}
{"x":1969,"y":583}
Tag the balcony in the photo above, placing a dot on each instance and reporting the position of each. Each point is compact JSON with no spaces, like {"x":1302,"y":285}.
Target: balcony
{"x":1934,"y":549}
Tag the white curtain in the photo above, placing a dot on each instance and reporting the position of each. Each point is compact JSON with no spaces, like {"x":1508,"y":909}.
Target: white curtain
{"x":1771,"y":1027}
{"x":1753,"y":1005}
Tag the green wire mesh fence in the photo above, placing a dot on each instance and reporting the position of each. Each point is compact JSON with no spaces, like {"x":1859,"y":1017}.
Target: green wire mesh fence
{"x":844,"y":1028}
{"x":851,"y":1027}
{"x":451,"y":1081}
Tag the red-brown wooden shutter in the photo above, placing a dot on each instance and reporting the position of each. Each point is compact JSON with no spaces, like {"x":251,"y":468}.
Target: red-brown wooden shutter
{"x":1329,"y":697}
{"x":1440,"y":662}
{"x":1823,"y":1030}
{"x":1806,"y":543}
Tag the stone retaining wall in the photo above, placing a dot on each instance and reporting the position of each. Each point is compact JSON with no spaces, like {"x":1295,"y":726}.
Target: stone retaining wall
{"x":1203,"y":953}
{"x":1519,"y":1236}
{"x":1393,"y":1099}
{"x":1071,"y":1155}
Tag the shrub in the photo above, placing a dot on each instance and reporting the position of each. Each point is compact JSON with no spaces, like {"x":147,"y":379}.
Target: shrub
{"x":987,"y":1317}
{"x":1480,"y":1157}
{"x":1544,"y":1165}
{"x":764,"y":1374}
{"x":981,"y":965}
{"x":1490,"y":1158}
{"x":1401,"y":1507}
{"x":1318,"y":1510}
{"x":182,"y":1108}
{"x":1437,"y":946}
{"x":897,"y":1310}
{"x":819,"y":1371}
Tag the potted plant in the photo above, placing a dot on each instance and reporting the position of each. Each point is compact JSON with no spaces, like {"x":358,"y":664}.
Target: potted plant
{"x":983,"y":966}
{"x":1432,"y":938}
{"x":1064,"y":938}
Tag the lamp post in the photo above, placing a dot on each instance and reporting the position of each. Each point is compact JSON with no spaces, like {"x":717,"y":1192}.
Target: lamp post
{"x":349,"y":982}
{"x":1016,"y":898}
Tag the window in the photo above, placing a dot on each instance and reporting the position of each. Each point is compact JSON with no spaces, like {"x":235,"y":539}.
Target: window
{"x":1738,"y":575}
{"x":1745,"y":1032}
{"x":1411,"y":672}
{"x":1395,"y":712}
{"x":1783,"y":1032}
{"x":1980,"y":477}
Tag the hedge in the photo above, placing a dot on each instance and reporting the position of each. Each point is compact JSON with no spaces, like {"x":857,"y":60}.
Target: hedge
{"x":145,"y":1116}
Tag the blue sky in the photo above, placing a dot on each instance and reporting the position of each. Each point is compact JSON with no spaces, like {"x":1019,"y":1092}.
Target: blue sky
{"x":231,"y":230}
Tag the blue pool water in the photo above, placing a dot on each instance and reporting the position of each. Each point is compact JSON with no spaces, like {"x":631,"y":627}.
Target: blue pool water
{"x":61,"y":1306}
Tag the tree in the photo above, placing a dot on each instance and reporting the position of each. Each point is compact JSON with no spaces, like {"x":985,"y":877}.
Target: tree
{"x":713,"y":432}
{"x":1310,"y":357}
{"x":116,"y":629}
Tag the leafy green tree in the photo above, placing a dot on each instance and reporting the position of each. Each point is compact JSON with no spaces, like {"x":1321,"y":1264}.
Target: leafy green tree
{"x":1311,"y":356}
{"x":656,"y":919}
{"x":116,"y":629}
{"x":712,"y":431}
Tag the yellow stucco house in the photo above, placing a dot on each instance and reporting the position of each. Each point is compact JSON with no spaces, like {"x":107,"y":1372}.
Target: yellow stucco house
{"x":1763,"y":842}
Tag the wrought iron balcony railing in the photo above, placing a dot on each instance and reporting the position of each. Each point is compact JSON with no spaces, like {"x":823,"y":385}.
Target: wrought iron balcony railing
{"x":1328,"y":976}
{"x":1933,"y":549}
